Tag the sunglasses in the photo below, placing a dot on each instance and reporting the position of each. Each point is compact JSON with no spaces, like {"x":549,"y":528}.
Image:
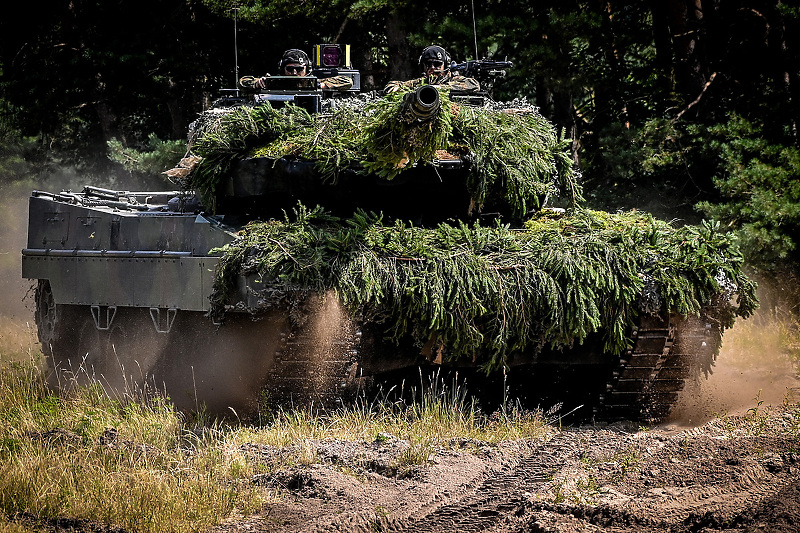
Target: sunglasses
{"x":294,"y":69}
{"x":434,"y":64}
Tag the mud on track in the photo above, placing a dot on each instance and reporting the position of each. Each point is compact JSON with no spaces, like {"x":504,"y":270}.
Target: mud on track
{"x":735,"y":473}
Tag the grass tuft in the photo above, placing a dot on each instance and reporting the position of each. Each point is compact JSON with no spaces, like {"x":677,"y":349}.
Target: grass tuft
{"x":86,"y":456}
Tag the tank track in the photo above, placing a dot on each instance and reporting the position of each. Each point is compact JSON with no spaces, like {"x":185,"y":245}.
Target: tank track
{"x":649,"y":377}
{"x":317,"y":361}
{"x":319,"y":365}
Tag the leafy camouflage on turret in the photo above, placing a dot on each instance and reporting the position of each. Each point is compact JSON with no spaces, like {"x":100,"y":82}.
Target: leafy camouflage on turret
{"x":486,"y":292}
{"x":519,"y":158}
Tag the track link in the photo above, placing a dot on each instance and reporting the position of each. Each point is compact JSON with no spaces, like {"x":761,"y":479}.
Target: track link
{"x":665,"y":353}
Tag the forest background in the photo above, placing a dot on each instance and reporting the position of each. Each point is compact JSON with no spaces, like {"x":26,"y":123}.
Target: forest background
{"x":688,"y":109}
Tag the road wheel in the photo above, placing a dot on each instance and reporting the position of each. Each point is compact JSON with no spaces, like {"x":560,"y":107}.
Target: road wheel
{"x":70,"y":341}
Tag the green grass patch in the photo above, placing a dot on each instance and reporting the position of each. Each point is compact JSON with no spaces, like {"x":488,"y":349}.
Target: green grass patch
{"x":58,"y":460}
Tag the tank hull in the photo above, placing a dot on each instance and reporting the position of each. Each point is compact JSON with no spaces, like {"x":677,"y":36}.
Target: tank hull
{"x":124,"y":282}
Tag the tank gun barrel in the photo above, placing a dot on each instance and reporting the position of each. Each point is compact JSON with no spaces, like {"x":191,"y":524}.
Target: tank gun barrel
{"x":421,"y":105}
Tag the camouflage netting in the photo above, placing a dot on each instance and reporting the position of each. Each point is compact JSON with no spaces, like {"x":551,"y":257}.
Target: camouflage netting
{"x":518,"y":156}
{"x":487,"y":291}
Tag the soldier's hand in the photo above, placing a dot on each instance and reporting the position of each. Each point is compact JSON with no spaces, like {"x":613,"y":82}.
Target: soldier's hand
{"x":392,"y":87}
{"x":247,"y":81}
{"x":261,"y":83}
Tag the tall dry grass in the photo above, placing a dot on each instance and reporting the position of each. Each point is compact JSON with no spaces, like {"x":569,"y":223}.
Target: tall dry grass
{"x":133,"y":465}
{"x":432,"y":416}
{"x":140,"y":465}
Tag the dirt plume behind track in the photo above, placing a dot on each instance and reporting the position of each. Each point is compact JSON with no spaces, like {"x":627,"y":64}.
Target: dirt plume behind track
{"x":754,"y":365}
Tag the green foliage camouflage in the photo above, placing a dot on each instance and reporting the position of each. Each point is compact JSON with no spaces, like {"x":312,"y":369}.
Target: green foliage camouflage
{"x":481,"y":292}
{"x":487,"y":291}
{"x":519,"y":157}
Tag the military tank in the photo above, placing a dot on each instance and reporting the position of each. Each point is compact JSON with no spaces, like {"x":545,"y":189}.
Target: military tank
{"x":314,"y":253}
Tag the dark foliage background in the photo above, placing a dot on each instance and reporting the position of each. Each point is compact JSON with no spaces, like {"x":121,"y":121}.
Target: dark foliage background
{"x":685,"y":108}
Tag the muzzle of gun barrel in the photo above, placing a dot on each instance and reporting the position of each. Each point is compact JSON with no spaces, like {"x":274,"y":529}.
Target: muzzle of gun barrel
{"x":421,"y":105}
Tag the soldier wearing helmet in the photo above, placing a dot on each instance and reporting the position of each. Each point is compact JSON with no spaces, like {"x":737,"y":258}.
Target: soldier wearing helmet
{"x":295,"y":62}
{"x":434,"y":62}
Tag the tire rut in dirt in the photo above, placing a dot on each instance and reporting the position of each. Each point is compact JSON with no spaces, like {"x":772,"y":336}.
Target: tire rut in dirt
{"x":495,"y":499}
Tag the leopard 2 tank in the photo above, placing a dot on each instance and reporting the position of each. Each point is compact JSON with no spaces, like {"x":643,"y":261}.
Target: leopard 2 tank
{"x":313,"y":255}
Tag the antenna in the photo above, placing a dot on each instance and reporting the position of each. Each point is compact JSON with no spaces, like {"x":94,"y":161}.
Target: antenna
{"x":235,"y":46}
{"x":474,"y":29}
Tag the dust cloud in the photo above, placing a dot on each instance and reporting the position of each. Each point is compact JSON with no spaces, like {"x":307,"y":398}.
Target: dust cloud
{"x":17,"y":328}
{"x":331,"y":339}
{"x":245,"y":364}
{"x":757,"y":366}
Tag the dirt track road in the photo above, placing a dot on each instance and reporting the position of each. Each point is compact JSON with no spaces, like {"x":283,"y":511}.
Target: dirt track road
{"x":734,"y":473}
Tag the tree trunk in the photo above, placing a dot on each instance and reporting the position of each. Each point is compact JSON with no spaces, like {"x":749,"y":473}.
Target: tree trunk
{"x":609,"y":100}
{"x":107,"y":120}
{"x":686,"y":25}
{"x":399,"y":52}
{"x":176,"y":110}
{"x":786,"y":73}
{"x":367,"y":76}
{"x":662,"y":40}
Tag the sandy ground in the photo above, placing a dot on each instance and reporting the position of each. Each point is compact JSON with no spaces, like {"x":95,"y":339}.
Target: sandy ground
{"x":728,"y":460}
{"x":732,"y":473}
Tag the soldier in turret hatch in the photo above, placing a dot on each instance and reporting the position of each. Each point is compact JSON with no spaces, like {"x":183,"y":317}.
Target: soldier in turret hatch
{"x":434,"y":63}
{"x":296,"y":63}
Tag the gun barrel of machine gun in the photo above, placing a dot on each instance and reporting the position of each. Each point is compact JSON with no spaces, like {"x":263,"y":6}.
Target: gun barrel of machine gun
{"x":482,"y":67}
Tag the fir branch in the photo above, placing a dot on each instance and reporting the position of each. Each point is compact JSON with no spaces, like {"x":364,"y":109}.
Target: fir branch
{"x":487,"y":291}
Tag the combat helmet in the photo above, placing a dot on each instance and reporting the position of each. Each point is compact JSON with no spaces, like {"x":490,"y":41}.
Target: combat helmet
{"x":294,"y":55}
{"x":435,"y":53}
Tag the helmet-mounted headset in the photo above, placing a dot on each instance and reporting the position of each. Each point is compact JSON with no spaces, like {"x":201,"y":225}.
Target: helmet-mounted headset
{"x":294,"y":56}
{"x":434,"y":53}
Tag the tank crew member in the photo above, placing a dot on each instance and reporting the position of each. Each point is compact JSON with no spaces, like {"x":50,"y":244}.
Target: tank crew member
{"x":434,"y":63}
{"x":296,"y":63}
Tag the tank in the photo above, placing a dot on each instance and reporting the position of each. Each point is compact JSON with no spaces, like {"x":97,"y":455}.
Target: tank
{"x":362,"y":242}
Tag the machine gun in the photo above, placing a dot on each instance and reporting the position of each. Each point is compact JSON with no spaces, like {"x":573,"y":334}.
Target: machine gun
{"x":485,"y":70}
